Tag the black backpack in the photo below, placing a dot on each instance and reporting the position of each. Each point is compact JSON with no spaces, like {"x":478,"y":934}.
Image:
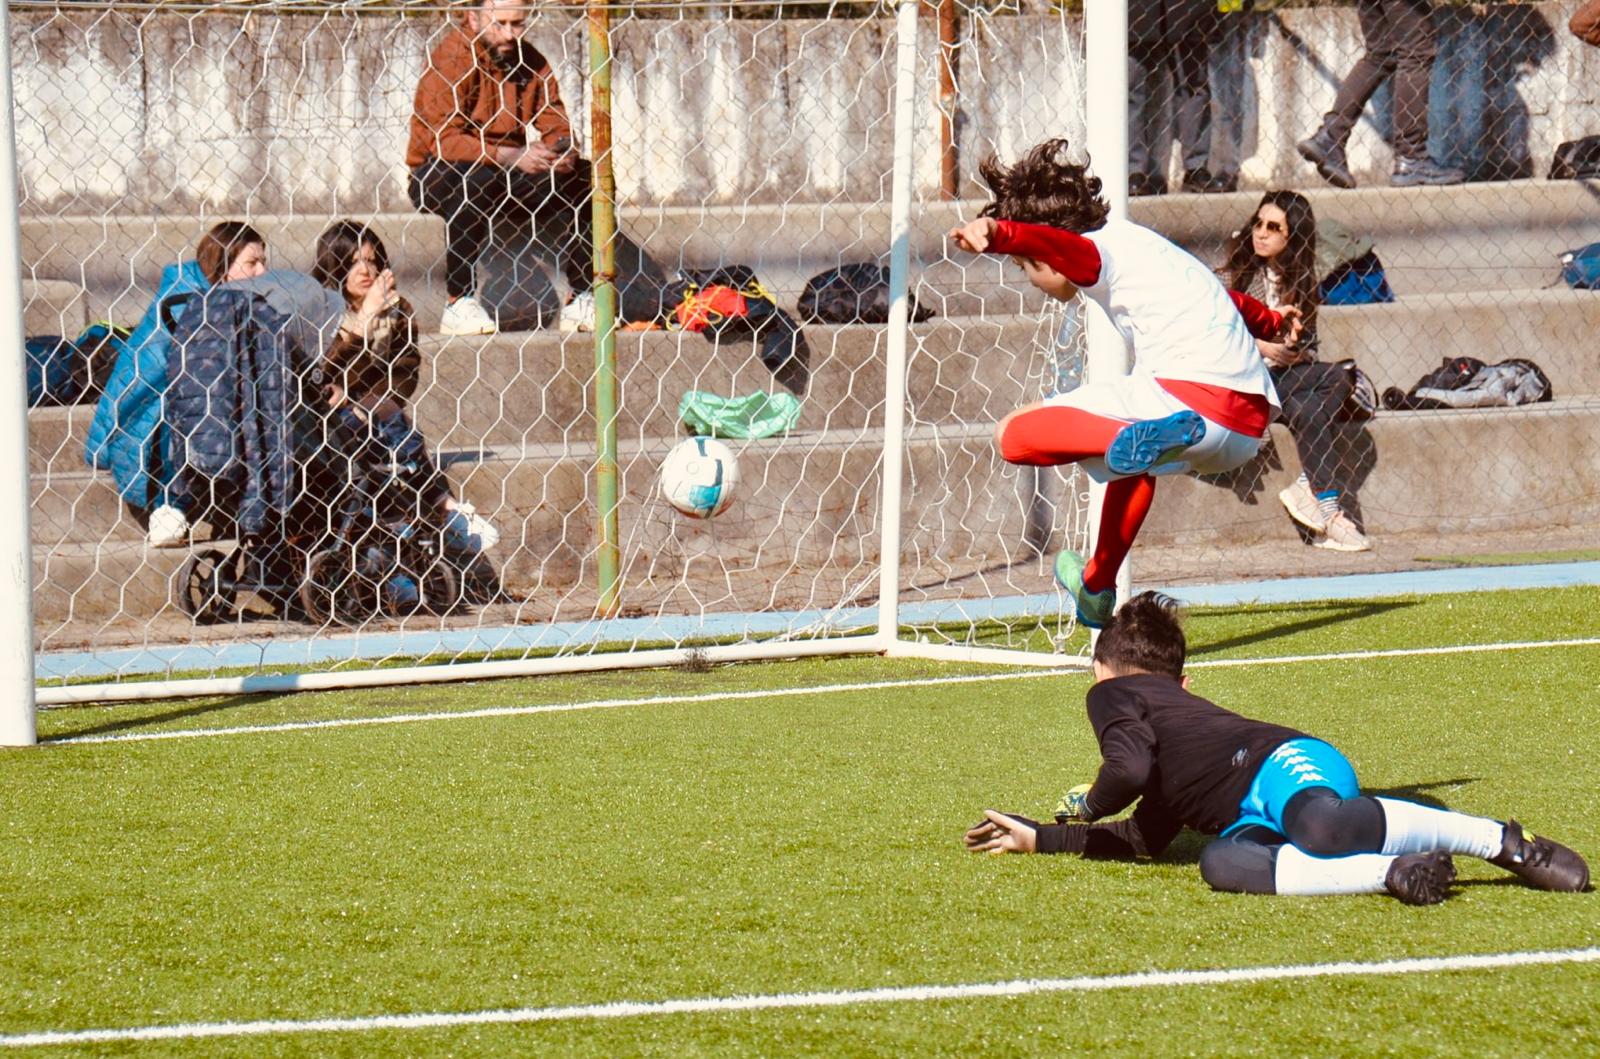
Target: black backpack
{"x":781,"y":345}
{"x":853,"y":294}
{"x":1577,"y":160}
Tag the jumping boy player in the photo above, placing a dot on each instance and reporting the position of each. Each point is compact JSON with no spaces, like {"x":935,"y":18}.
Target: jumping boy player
{"x":1199,"y":397}
{"x":1291,"y":816}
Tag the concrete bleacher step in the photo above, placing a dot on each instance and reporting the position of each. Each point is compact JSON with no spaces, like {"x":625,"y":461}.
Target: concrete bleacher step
{"x":1399,"y":342}
{"x":536,"y":389}
{"x":812,"y":499}
{"x":538,"y":386}
{"x":1482,"y":236}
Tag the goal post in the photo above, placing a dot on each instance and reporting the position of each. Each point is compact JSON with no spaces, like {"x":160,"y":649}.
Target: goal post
{"x":17,"y":725}
{"x":880,"y":522}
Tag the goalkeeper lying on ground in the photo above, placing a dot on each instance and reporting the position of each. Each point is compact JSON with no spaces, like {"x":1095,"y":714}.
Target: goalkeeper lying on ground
{"x":1291,"y":815}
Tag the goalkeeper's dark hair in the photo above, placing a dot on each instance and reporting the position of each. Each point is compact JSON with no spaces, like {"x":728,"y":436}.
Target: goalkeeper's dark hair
{"x":1044,"y":188}
{"x":1145,"y":635}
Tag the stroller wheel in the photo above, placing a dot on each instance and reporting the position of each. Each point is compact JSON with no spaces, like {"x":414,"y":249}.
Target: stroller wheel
{"x":335,"y":591}
{"x":440,"y":591}
{"x":205,"y":589}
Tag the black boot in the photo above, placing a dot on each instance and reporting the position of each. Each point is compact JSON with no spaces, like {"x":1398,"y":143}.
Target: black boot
{"x":1203,"y":182}
{"x":1321,"y":150}
{"x":1145,"y":184}
{"x":1539,"y":862}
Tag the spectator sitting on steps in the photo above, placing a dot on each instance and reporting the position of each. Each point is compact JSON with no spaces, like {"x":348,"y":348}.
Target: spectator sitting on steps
{"x":370,"y":370}
{"x":1585,"y":22}
{"x":1273,"y":259}
{"x":491,"y":147}
{"x":127,"y":436}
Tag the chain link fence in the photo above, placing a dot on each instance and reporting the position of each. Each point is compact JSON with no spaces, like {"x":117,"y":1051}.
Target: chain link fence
{"x":1415,"y":146}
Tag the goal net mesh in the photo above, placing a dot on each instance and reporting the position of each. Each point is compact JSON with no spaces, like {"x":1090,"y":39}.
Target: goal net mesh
{"x":741,"y":135}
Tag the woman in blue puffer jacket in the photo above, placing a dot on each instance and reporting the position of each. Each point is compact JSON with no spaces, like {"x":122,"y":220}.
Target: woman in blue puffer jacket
{"x":127,"y":436}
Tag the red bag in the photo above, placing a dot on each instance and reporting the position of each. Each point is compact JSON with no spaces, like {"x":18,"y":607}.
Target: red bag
{"x":708,"y":307}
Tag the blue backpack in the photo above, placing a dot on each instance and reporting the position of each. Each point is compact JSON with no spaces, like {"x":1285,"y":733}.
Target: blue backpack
{"x":1358,"y":282}
{"x":62,"y":371}
{"x":1580,"y":268}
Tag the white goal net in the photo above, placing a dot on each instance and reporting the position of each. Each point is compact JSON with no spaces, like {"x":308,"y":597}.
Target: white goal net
{"x":753,"y":147}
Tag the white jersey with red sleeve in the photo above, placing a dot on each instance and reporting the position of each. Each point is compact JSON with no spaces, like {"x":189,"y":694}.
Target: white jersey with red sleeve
{"x":1174,"y":312}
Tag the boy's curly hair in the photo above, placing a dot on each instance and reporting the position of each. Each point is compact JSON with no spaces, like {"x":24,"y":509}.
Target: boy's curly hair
{"x":1145,"y":635}
{"x":1045,"y":188}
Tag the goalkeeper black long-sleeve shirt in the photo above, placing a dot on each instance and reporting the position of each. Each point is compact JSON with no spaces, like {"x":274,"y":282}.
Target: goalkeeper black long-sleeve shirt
{"x":1186,"y":761}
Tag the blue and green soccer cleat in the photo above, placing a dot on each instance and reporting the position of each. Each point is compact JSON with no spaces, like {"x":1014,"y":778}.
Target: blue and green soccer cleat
{"x":1094,"y":608}
{"x":1151,"y":442}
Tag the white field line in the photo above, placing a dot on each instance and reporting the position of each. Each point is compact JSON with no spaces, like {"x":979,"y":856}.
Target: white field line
{"x":775,"y":693}
{"x":844,"y":998}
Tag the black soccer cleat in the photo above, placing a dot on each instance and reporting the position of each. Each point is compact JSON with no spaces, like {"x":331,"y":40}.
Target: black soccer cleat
{"x":1539,"y":862}
{"x":1421,"y":878}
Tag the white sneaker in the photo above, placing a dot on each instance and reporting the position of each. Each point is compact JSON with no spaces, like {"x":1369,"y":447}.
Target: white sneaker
{"x":1302,"y":506}
{"x":578,"y":314}
{"x":169,"y":528}
{"x":1343,"y":536}
{"x":465,"y":316}
{"x":467,"y":531}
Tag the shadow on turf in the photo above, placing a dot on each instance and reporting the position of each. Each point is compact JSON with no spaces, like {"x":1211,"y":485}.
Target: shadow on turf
{"x":1332,"y":614}
{"x":1416,"y":792}
{"x":150,"y":720}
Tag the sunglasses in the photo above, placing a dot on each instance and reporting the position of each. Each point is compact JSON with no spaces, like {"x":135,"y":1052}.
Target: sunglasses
{"x":1272,"y":226}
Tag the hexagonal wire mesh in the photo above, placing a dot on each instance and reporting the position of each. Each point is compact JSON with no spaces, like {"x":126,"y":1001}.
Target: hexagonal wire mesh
{"x":740,"y":136}
{"x":749,"y":136}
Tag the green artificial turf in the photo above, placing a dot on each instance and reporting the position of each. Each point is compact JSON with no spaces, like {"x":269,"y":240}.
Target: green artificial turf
{"x":1575,"y":555}
{"x":784,"y":844}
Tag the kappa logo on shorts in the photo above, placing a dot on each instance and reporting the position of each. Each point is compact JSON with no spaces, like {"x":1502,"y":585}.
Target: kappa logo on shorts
{"x":1299,"y":763}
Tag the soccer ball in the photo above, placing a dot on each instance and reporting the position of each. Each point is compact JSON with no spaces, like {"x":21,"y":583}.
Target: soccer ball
{"x":699,"y":477}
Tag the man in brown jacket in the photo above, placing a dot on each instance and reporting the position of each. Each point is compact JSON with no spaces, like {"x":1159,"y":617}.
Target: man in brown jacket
{"x":1585,"y":24}
{"x":491,"y":147}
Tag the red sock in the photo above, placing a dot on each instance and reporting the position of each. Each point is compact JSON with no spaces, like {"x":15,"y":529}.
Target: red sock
{"x":1047,"y":435}
{"x":1127,"y":502}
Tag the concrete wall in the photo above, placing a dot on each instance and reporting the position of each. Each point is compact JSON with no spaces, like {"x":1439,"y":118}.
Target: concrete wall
{"x":140,"y":112}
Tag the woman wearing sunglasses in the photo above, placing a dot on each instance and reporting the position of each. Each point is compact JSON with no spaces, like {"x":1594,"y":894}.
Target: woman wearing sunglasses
{"x":1273,"y":259}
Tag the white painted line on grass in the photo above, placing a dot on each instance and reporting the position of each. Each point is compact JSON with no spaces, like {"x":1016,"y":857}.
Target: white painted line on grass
{"x":555,"y":707}
{"x":844,"y":998}
{"x":1395,"y":652}
{"x":775,"y":693}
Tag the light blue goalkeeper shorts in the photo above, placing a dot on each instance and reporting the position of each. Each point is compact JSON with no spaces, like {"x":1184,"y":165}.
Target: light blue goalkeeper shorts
{"x":1288,"y":770}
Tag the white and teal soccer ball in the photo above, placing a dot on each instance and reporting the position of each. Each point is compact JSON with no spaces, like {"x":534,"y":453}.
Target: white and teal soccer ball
{"x":699,"y":477}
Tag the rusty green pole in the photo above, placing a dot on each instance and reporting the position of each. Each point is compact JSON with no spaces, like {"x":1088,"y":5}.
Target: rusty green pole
{"x":607,"y":477}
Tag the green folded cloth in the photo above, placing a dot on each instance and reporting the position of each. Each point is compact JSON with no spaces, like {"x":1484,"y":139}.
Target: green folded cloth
{"x":760,"y":415}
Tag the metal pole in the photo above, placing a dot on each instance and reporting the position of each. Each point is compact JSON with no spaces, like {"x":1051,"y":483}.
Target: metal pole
{"x":949,"y":57}
{"x":607,"y":477}
{"x":17,"y":717}
{"x":1106,"y":72}
{"x":894,"y":387}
